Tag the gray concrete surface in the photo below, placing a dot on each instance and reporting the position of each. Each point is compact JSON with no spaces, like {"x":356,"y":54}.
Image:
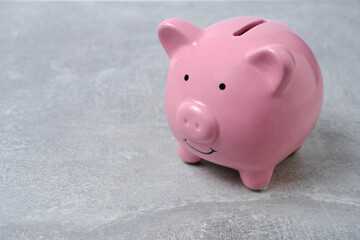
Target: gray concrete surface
{"x":85,"y":151}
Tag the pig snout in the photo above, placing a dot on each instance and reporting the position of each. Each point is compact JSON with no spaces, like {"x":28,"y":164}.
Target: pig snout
{"x":196,"y":122}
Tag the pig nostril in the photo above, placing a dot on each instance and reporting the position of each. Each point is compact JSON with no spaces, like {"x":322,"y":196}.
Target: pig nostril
{"x":197,"y":126}
{"x":186,"y":122}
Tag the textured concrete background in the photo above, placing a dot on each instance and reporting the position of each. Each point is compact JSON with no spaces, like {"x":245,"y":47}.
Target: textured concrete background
{"x":85,"y":151}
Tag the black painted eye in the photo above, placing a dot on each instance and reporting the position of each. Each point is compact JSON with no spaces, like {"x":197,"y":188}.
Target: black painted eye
{"x":222,"y":86}
{"x":186,"y":77}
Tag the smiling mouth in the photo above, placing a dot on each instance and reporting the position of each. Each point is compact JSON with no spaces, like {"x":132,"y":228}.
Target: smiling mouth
{"x":206,"y":153}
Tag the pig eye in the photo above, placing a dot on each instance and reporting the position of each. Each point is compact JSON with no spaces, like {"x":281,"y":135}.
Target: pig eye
{"x":222,"y":86}
{"x":186,"y":77}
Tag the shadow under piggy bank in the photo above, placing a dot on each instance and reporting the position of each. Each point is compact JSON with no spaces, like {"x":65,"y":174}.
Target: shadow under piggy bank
{"x":288,"y":171}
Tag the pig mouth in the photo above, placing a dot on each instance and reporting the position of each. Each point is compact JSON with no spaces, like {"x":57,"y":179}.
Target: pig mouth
{"x":206,"y":153}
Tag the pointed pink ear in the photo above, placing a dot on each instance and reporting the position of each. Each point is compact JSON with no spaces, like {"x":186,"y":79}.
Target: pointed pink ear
{"x":174,"y":33}
{"x":276,"y":62}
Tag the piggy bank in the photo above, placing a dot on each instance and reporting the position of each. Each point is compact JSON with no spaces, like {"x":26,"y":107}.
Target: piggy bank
{"x":243,"y":93}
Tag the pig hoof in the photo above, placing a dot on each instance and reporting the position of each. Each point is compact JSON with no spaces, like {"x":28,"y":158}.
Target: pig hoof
{"x":187,"y":156}
{"x":256,"y":180}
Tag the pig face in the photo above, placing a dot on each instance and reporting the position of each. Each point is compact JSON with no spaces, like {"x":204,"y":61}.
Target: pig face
{"x":221,"y":92}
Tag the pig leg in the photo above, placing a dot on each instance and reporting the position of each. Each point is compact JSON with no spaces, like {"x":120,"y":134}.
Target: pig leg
{"x":187,"y":156}
{"x":256,"y":180}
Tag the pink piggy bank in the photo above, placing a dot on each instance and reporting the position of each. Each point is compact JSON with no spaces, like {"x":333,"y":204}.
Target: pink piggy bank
{"x":243,"y":93}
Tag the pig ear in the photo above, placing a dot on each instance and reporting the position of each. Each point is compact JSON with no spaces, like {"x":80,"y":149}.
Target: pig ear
{"x":276,"y":62}
{"x":174,"y":33}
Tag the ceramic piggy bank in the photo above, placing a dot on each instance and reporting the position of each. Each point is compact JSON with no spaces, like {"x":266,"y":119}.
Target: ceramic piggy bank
{"x":243,"y":93}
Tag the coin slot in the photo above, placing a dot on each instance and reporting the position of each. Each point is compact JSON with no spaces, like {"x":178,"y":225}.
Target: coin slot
{"x":248,"y":27}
